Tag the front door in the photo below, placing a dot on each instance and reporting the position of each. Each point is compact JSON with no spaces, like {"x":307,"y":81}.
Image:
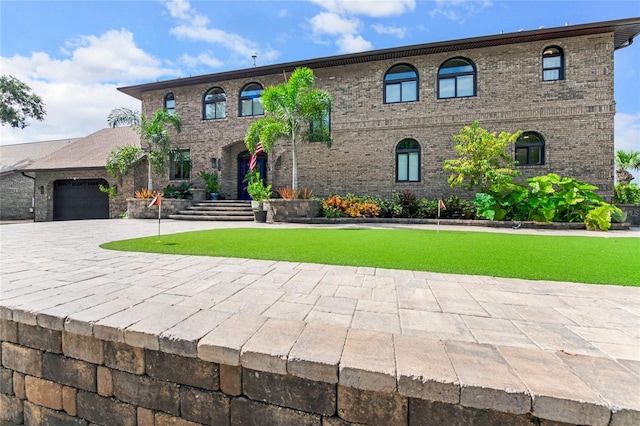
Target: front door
{"x":243,"y":169}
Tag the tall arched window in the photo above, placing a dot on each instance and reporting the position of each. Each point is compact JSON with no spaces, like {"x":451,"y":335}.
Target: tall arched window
{"x":552,"y":64}
{"x":214,"y":104}
{"x":408,"y":161}
{"x":250,"y":100}
{"x":456,"y":79}
{"x":170,"y":103}
{"x":401,"y":84}
{"x":530,"y":149}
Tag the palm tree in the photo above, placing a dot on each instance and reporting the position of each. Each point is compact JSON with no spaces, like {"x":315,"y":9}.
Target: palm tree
{"x":626,"y":161}
{"x":154,"y":132}
{"x":294,"y":110}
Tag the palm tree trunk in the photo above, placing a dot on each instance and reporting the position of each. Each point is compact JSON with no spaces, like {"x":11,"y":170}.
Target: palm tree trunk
{"x":294,"y":172}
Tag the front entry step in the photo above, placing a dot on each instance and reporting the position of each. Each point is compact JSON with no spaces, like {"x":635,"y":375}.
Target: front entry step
{"x":222,"y":210}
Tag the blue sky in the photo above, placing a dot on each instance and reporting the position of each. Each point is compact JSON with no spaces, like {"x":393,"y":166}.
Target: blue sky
{"x":74,"y":54}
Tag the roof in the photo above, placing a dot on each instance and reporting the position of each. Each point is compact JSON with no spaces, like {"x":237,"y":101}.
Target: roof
{"x":89,"y":152}
{"x":19,"y":156}
{"x":624,"y":31}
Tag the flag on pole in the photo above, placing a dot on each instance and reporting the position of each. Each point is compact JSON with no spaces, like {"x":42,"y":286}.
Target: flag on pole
{"x":157,"y":200}
{"x":441,"y":205}
{"x":254,"y":157}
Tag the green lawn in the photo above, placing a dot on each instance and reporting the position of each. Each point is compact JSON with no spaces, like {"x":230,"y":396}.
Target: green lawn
{"x":556,"y":258}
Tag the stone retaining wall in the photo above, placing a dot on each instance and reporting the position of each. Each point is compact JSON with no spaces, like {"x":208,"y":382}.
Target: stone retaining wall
{"x":633,"y":213}
{"x":283,"y":210}
{"x":129,"y":377}
{"x":138,"y":208}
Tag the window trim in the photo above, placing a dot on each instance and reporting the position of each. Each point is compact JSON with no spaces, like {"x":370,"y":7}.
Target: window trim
{"x":399,"y":151}
{"x":473,"y":73}
{"x":560,"y":68}
{"x":399,"y":82}
{"x":214,"y":103}
{"x":541,"y":143}
{"x":172,"y":166}
{"x":170,"y":97}
{"x":242,"y":98}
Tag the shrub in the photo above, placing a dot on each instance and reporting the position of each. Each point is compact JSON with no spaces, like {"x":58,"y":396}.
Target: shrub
{"x":145,"y":193}
{"x":626,"y":194}
{"x":288,"y":193}
{"x":409,"y":203}
{"x":181,"y":192}
{"x":349,"y":206}
{"x":305,"y":194}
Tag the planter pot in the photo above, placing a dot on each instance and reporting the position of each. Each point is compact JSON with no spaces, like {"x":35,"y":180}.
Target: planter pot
{"x":260,"y":216}
{"x":214,"y":196}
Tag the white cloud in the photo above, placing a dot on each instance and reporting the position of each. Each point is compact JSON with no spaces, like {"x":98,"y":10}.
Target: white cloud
{"x":333,"y":24}
{"x":80,"y":90}
{"x":110,"y":58}
{"x":350,"y":43}
{"x":390,"y":30}
{"x":194,"y":26}
{"x":202,"y":59}
{"x":460,"y":10}
{"x":370,"y":8}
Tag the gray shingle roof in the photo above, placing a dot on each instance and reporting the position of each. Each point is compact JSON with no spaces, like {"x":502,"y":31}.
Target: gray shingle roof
{"x":89,"y":152}
{"x":19,"y":156}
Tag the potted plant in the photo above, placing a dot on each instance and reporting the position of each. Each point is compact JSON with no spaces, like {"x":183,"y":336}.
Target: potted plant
{"x":211,"y":183}
{"x":259,"y":192}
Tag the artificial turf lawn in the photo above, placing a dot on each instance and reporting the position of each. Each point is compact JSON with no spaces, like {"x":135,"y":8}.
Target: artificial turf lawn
{"x":555,"y":258}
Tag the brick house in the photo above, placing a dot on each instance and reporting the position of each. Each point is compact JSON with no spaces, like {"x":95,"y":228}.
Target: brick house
{"x":17,"y":199}
{"x":66,"y":181}
{"x":395,"y":111}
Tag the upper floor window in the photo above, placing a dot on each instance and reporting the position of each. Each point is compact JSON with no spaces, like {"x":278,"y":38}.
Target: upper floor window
{"x":552,"y":64}
{"x":530,"y":149}
{"x":180,"y":165}
{"x":408,"y":161}
{"x":250,"y":100}
{"x":401,"y":84}
{"x":214,"y":104}
{"x":456,"y":79}
{"x":320,"y":129}
{"x":170,"y":103}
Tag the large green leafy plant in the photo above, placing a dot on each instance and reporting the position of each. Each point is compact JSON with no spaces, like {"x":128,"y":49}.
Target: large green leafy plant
{"x":547,"y":198}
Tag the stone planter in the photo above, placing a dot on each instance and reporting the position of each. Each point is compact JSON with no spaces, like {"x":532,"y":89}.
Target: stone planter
{"x":138,"y":208}
{"x":280,"y":210}
{"x":632,"y":211}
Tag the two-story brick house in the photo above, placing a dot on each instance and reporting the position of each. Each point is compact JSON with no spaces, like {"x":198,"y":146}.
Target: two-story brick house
{"x":395,"y":111}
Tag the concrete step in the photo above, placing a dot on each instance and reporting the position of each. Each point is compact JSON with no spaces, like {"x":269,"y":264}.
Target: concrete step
{"x":223,"y":210}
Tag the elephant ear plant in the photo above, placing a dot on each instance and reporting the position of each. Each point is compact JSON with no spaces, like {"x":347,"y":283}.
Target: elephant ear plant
{"x":548,"y":198}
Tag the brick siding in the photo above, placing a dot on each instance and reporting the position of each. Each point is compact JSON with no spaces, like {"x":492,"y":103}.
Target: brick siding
{"x":574,"y":116}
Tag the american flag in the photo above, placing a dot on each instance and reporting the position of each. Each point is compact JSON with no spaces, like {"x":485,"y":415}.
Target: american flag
{"x":254,"y":157}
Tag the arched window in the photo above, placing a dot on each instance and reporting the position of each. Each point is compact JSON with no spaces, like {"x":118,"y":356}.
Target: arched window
{"x":214,"y":104}
{"x":408,"y":161}
{"x":530,"y":149}
{"x":401,"y":84}
{"x":170,"y":103}
{"x":552,"y":64}
{"x":250,"y":100}
{"x":456,"y":79}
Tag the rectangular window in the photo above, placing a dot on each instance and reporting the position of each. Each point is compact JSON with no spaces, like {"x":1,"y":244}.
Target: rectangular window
{"x":521,"y":156}
{"x":180,"y":167}
{"x":549,"y":75}
{"x":465,"y":85}
{"x":447,"y":88}
{"x":403,"y":167}
{"x":221,"y":109}
{"x":257,"y":107}
{"x":409,"y":91}
{"x":551,"y":62}
{"x":247,"y":107}
{"x":414,"y":159}
{"x":393,"y":93}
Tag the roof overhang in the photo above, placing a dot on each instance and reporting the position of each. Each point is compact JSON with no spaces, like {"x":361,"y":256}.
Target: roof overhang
{"x":624,"y":31}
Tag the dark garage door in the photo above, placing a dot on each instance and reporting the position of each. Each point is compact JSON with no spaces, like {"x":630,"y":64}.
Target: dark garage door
{"x":80,"y":199}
